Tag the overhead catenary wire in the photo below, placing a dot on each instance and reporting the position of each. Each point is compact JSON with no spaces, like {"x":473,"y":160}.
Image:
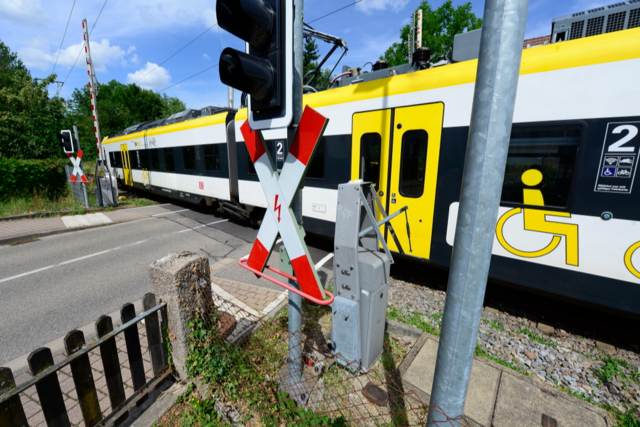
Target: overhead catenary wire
{"x":184,"y":80}
{"x":335,"y":11}
{"x":81,"y":48}
{"x":177,"y":52}
{"x":63,"y":36}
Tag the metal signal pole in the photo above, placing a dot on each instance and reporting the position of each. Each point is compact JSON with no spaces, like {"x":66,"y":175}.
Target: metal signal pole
{"x":295,"y":300}
{"x":491,"y":118}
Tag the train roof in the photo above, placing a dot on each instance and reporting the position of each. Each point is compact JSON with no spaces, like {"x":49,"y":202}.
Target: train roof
{"x":601,"y":49}
{"x":219,"y":118}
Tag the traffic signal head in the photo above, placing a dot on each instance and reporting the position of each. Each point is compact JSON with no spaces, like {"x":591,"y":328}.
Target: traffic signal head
{"x":66,"y":141}
{"x":264,"y":71}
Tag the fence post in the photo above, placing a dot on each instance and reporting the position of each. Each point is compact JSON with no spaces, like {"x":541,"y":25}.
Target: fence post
{"x":154,"y":335}
{"x":83,"y":379}
{"x":11,"y":411}
{"x":183,"y":281}
{"x":134,"y":352}
{"x":48,"y":388}
{"x":111,"y":363}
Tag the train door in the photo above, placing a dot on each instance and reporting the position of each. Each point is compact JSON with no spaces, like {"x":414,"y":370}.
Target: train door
{"x":399,"y":150}
{"x":126,"y":165}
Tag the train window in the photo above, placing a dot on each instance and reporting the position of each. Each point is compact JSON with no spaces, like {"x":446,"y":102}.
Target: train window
{"x":316,"y":168}
{"x":143,"y":159}
{"x":169,"y":162}
{"x":189,"y":158}
{"x":112,"y":159}
{"x":370,"y":148}
{"x":155,"y":159}
{"x":550,"y":149}
{"x":251,"y":170}
{"x":212,"y":158}
{"x":117,"y":156}
{"x":413,"y":164}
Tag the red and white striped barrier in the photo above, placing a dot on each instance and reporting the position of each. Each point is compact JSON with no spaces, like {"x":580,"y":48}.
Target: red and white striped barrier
{"x":77,"y":170}
{"x":280,"y":191}
{"x":92,"y":90}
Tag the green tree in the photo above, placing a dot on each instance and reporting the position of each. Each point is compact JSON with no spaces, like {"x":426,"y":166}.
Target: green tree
{"x":29,"y":118}
{"x":438,"y":28}
{"x":119,"y":107}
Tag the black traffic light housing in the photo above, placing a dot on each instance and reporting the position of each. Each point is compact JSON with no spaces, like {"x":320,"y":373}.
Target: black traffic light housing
{"x":265,"y":69}
{"x":66,"y":141}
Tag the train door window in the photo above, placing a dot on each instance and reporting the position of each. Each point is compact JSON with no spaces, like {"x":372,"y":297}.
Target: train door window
{"x":169,"y":162}
{"x":370,"y":149}
{"x":189,"y":158}
{"x":550,"y":149}
{"x":211,"y":158}
{"x":155,"y":159}
{"x":413,"y":163}
{"x":316,"y":168}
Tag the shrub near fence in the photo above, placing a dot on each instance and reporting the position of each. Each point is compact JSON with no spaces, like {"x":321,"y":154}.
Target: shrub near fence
{"x":19,"y":178}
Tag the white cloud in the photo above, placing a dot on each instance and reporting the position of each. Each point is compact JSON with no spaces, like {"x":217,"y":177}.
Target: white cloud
{"x":26,"y":12}
{"x":207,"y":57}
{"x":209,"y":17}
{"x":37,"y":55}
{"x":150,"y":77}
{"x":370,"y":6}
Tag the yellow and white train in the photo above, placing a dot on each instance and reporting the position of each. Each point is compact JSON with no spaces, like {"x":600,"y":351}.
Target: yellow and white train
{"x":569,"y":221}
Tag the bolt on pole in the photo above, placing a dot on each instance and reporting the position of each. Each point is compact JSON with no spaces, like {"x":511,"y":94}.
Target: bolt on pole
{"x":488,"y":145}
{"x":295,"y":300}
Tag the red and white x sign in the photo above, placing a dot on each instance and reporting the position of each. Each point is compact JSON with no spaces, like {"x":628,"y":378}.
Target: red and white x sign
{"x":280,"y":191}
{"x":77,"y":170}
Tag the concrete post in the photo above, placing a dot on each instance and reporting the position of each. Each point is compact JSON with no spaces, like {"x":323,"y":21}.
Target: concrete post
{"x":493,"y":104}
{"x":183,"y":281}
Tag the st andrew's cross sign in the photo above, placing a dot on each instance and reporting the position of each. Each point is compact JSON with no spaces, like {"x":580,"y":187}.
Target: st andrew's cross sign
{"x":280,"y":191}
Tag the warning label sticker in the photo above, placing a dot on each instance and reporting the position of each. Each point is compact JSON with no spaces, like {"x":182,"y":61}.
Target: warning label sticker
{"x":619,"y":159}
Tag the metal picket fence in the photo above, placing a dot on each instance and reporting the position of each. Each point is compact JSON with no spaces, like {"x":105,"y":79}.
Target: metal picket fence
{"x":78,"y":189}
{"x":97,"y":383}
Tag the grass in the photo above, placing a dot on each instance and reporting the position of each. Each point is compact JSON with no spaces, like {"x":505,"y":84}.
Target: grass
{"x":537,"y":338}
{"x":37,"y":204}
{"x":496,"y":325}
{"x":416,"y":320}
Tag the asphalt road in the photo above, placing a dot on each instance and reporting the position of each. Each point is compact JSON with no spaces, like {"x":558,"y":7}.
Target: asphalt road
{"x":66,"y":281}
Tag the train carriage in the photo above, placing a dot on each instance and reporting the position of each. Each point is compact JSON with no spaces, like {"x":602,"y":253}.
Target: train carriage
{"x":569,"y":221}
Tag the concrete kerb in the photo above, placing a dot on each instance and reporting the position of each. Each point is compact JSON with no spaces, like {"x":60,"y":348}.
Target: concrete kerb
{"x":503,"y":370}
{"x":28,"y":236}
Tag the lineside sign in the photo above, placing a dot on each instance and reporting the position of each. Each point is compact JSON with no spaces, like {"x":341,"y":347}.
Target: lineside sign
{"x":280,"y":191}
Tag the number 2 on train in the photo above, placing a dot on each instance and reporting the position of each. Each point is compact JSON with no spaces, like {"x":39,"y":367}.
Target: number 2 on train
{"x":617,"y":147}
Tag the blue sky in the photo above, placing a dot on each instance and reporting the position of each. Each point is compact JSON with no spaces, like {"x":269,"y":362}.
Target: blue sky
{"x":133,"y":36}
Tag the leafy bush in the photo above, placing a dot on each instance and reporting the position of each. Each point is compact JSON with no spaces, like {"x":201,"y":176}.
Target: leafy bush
{"x":19,"y":178}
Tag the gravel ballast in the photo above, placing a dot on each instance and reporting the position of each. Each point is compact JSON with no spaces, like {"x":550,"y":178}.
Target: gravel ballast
{"x":584,"y":367}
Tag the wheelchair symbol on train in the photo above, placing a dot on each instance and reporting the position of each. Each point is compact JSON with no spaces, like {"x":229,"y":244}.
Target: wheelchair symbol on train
{"x":628,"y":259}
{"x":536,"y":220}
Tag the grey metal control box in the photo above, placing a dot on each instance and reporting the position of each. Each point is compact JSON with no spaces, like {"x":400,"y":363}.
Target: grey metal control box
{"x":361,"y":274}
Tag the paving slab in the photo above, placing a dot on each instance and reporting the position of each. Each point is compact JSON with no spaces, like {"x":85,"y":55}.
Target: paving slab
{"x":500,"y":397}
{"x":483,"y":385}
{"x":523,"y":404}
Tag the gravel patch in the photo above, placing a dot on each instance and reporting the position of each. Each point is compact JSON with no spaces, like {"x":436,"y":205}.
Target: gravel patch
{"x":584,"y":367}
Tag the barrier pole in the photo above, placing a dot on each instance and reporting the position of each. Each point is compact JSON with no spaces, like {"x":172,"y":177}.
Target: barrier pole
{"x":488,"y":145}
